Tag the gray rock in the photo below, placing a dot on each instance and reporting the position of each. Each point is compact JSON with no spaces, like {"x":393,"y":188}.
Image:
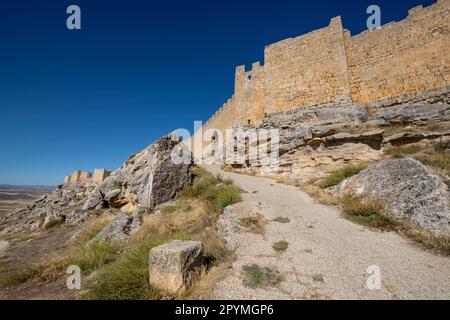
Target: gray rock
{"x":112,"y":194}
{"x":93,"y":201}
{"x":412,"y":137}
{"x":119,"y":229}
{"x":415,"y":114}
{"x":409,"y":190}
{"x":78,"y":216}
{"x":149,"y":177}
{"x":174,"y":266}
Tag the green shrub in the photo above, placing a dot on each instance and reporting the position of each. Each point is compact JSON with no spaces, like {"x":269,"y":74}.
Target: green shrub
{"x":253,"y":224}
{"x":282,"y":220}
{"x":256,"y":276}
{"x":206,"y":187}
{"x":280,"y":246}
{"x":318,"y":277}
{"x":226,"y":195}
{"x":336,"y":177}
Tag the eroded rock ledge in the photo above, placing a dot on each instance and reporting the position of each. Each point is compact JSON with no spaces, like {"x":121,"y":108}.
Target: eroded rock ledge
{"x":319,"y":139}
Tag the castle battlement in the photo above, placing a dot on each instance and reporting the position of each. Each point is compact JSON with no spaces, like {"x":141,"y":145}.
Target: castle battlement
{"x":84,"y":176}
{"x":330,"y":65}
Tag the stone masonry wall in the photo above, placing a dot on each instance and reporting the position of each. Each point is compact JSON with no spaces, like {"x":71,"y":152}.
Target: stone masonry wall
{"x":409,"y":56}
{"x":307,"y":70}
{"x":330,"y":66}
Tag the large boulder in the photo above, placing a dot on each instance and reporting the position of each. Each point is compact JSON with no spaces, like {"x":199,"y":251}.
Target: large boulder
{"x":409,"y":190}
{"x":174,"y":266}
{"x":146,"y":179}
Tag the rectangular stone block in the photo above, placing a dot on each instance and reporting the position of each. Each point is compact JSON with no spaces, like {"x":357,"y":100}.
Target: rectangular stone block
{"x":174,"y":266}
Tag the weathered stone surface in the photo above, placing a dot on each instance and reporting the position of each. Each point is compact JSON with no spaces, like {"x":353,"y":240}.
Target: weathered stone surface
{"x":119,"y":229}
{"x":148,"y":178}
{"x":94,"y":201}
{"x":409,"y":190}
{"x":416,"y":114}
{"x":174,"y":266}
{"x":412,"y":137}
{"x":112,"y":194}
{"x":77,"y":216}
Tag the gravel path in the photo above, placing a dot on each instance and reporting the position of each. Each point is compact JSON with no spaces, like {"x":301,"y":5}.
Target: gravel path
{"x":328,"y":256}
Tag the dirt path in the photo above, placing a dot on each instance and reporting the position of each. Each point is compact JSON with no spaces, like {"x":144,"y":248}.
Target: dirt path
{"x":328,"y":256}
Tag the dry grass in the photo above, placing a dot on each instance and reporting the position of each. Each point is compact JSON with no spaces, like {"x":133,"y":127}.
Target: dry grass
{"x":120,"y":270}
{"x":320,"y":195}
{"x":435,"y":155}
{"x":193,"y":217}
{"x":128,"y":277}
{"x":53,"y":223}
{"x":402,"y":151}
{"x":87,"y":257}
{"x":439,"y":244}
{"x":370,"y":212}
{"x":254,"y":224}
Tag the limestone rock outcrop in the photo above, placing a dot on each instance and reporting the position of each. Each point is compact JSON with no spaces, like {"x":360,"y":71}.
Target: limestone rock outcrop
{"x":145,"y":180}
{"x":61,"y":205}
{"x":319,"y":139}
{"x":174,"y":266}
{"x":409,"y":191}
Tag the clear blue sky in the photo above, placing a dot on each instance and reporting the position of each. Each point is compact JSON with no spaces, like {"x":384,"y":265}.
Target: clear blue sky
{"x":137,"y":70}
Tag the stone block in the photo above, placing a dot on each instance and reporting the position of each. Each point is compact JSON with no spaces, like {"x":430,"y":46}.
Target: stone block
{"x":175,"y":266}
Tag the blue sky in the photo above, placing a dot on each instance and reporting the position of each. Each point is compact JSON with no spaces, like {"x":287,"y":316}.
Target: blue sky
{"x":137,"y":70}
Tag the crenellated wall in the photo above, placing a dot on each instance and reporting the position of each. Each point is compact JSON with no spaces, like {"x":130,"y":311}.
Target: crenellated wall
{"x":329,"y":65}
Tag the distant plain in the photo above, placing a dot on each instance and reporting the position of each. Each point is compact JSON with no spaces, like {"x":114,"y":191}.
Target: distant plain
{"x":13,"y":197}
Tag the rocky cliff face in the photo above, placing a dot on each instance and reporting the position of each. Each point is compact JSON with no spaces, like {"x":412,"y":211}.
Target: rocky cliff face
{"x":323,"y":138}
{"x":145,"y":180}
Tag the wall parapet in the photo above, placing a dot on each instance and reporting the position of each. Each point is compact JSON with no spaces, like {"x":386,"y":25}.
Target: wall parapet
{"x":329,"y":65}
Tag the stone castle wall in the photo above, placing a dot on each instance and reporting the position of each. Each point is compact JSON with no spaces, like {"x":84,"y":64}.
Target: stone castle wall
{"x":329,"y":65}
{"x":408,"y":56}
{"x":307,"y":70}
{"x":84,"y":176}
